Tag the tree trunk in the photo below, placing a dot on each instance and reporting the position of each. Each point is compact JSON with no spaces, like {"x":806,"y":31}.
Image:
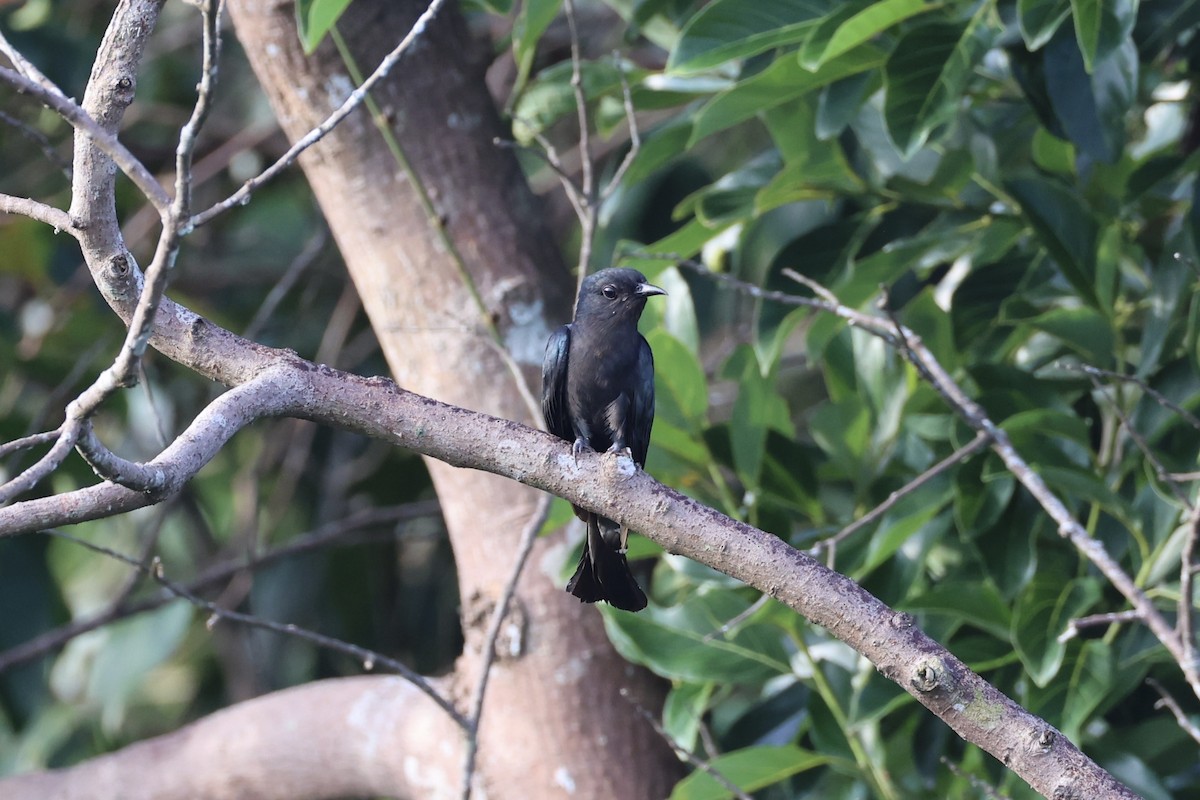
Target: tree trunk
{"x":447,"y":251}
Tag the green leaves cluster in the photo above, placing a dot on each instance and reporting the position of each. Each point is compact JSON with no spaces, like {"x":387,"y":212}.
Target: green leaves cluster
{"x":1016,"y":175}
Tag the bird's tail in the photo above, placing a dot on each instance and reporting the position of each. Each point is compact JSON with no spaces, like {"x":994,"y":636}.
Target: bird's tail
{"x":603,"y":573}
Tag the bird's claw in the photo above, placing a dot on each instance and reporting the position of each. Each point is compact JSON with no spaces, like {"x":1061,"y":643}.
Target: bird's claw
{"x":577,"y":447}
{"x":621,"y":450}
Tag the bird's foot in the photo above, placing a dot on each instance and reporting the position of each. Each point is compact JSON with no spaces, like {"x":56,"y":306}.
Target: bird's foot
{"x":578,"y":446}
{"x":621,"y":450}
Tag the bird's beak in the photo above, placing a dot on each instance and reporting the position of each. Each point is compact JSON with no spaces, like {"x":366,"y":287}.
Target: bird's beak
{"x":648,"y":289}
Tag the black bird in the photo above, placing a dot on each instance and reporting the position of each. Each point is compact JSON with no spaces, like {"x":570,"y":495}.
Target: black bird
{"x":598,"y":394}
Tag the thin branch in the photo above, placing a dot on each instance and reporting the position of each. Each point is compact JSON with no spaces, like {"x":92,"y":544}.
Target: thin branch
{"x":915,"y":352}
{"x":41,"y":469}
{"x":499,"y":614}
{"x":340,"y":534}
{"x":975,"y":781}
{"x":1187,"y":572}
{"x":1142,"y":444}
{"x":546,"y":153}
{"x":368,"y":658}
{"x":1074,"y":626}
{"x":291,"y":275}
{"x":27,"y":68}
{"x":1169,"y":702}
{"x":40,"y":139}
{"x":356,"y":98}
{"x":980,"y":441}
{"x":587,"y":188}
{"x":635,"y":139}
{"x":111,"y":467}
{"x":746,"y":614}
{"x":27,"y":442}
{"x":1158,"y":396}
{"x":207,"y":434}
{"x":210,"y":11}
{"x":134,"y":169}
{"x":684,"y":753}
{"x":54,"y":217}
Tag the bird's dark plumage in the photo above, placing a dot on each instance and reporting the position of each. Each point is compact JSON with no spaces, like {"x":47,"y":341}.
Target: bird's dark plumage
{"x":598,"y":394}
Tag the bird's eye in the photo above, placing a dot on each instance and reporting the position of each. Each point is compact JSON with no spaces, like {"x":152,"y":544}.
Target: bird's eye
{"x":609,"y":291}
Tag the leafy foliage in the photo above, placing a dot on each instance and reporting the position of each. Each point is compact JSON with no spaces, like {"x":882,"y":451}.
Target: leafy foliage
{"x":1018,"y":176}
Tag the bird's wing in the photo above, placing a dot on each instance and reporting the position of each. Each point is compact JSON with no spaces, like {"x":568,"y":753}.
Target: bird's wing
{"x":554,"y":385}
{"x":641,"y":407}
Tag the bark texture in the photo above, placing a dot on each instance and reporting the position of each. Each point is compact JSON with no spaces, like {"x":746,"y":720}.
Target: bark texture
{"x":444,"y":251}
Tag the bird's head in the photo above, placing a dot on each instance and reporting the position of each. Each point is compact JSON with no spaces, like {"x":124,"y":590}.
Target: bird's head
{"x":615,"y":293}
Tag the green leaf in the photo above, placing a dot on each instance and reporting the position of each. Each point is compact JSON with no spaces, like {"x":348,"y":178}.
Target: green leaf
{"x":729,"y":29}
{"x":678,"y":373}
{"x":1092,"y":103}
{"x":902,"y":524}
{"x":531,"y":22}
{"x":925,"y":77}
{"x":1039,"y":19}
{"x":1041,"y":614}
{"x":1084,"y":330}
{"x":759,"y":408}
{"x":1064,"y":226}
{"x":550,"y":96}
{"x":1087,"y":16}
{"x":673,"y":640}
{"x":1092,"y":677}
{"x":314,"y":18}
{"x":749,"y":769}
{"x":132,"y":648}
{"x":862,"y":26}
{"x":786,"y":79}
{"x":813,"y":168}
{"x":683,"y":711}
{"x":974,"y":602}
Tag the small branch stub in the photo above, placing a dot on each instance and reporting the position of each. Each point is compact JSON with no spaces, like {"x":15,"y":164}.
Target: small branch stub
{"x":928,"y":675}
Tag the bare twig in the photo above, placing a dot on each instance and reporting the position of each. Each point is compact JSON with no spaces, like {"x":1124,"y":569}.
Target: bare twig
{"x":312,"y":248}
{"x":684,"y":753}
{"x":111,"y":467}
{"x":635,"y":139}
{"x":37,"y":472}
{"x":54,"y":217}
{"x":26,"y":442}
{"x":915,"y":352}
{"x":210,"y":11}
{"x":1169,"y":702}
{"x":1187,"y":572}
{"x":499,"y":613}
{"x":368,"y":658}
{"x":1074,"y":626}
{"x":587,"y":187}
{"x":76,"y":430}
{"x":356,"y":98}
{"x":340,"y":533}
{"x":26,"y":68}
{"x":134,"y":169}
{"x":977,"y":782}
{"x":207,"y":434}
{"x":1158,"y":396}
{"x":980,"y":441}
{"x":1142,"y":445}
{"x":746,"y":614}
{"x":40,"y":139}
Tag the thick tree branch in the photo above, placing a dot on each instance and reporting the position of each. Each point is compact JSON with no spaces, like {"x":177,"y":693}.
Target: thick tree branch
{"x":614,"y":487}
{"x":351,"y":737}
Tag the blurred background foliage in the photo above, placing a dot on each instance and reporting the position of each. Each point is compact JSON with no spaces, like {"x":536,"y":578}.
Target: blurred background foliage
{"x":1018,"y":176}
